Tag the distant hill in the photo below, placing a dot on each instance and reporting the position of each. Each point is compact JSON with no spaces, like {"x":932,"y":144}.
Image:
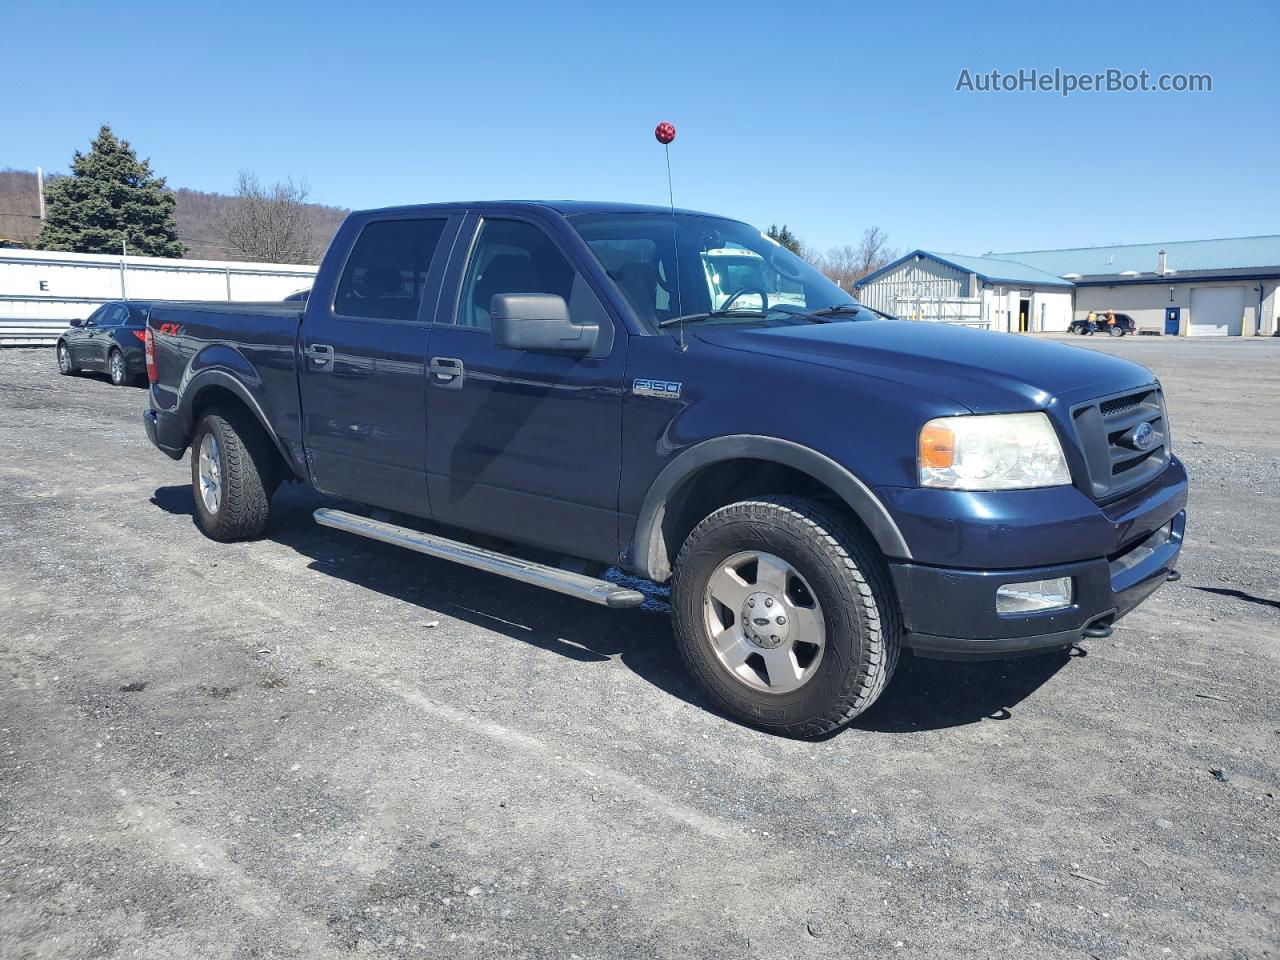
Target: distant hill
{"x":196,"y":213}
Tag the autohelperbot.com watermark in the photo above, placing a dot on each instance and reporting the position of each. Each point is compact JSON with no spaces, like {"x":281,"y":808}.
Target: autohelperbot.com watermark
{"x":1065,"y":82}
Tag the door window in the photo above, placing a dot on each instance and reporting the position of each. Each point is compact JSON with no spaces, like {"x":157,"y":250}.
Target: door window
{"x":511,"y":256}
{"x":386,"y":274}
{"x":112,"y":316}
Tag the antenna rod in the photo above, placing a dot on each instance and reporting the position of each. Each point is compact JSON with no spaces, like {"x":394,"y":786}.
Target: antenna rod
{"x":675,"y":249}
{"x":665,"y":133}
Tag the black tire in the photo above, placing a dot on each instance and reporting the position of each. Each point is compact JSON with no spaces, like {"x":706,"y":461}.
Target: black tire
{"x":1116,"y":332}
{"x":116,"y":368}
{"x":67,"y":368}
{"x":850,"y":583}
{"x":248,"y":472}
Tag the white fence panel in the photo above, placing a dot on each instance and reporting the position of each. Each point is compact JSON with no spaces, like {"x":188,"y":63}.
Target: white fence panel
{"x":40,"y":291}
{"x":966,"y":311}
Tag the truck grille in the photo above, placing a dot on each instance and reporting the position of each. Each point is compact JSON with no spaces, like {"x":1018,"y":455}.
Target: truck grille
{"x":1112,"y":431}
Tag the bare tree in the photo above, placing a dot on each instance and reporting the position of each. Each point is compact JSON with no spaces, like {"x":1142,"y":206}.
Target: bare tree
{"x":846,"y":265}
{"x":873,"y":252}
{"x":270,"y":224}
{"x":841,"y":264}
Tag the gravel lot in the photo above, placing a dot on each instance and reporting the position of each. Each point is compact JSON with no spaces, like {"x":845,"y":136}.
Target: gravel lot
{"x":316,"y":746}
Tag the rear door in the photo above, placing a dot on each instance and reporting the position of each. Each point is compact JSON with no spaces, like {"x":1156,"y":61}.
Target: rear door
{"x":363,"y":359}
{"x":524,"y":445}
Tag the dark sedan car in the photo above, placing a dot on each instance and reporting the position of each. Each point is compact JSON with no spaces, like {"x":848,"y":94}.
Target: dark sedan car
{"x":1124,"y":325}
{"x":110,"y":341}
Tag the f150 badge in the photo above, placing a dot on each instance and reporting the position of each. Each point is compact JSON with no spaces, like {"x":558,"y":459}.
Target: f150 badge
{"x":667,"y":389}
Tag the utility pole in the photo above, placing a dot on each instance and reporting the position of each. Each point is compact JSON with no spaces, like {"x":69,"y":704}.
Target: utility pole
{"x":124,"y":252}
{"x":40,"y":191}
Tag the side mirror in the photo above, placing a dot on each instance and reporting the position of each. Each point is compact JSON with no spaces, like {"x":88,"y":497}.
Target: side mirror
{"x":538,"y":322}
{"x":77,"y":322}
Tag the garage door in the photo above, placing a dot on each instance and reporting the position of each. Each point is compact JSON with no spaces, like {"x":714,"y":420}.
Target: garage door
{"x":1216,"y":312}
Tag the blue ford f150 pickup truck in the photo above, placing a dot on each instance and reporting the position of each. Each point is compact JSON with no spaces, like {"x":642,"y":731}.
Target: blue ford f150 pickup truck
{"x":674,"y":394}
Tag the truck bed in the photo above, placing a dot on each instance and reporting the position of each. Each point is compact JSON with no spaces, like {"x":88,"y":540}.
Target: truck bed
{"x":253,"y":344}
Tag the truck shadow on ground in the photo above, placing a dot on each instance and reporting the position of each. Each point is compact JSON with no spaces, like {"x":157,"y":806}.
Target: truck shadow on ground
{"x":924,"y":694}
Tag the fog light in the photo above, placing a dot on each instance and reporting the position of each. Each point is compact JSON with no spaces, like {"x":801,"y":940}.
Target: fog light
{"x":1032,"y":596}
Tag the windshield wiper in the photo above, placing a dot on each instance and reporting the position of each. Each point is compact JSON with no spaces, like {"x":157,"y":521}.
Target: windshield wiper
{"x":838,"y":308}
{"x":713,"y":315}
{"x":820,"y":316}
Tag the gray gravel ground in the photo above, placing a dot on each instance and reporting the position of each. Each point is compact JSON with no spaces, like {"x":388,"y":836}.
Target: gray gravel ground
{"x":314,"y":746}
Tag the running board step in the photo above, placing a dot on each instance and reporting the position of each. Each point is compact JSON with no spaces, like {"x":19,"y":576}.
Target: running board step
{"x":526,"y":571}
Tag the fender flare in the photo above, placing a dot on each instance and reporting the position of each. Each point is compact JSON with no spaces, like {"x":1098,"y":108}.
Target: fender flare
{"x":649,"y":549}
{"x":212,"y":377}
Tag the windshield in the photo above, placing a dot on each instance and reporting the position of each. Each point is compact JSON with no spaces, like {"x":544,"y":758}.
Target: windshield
{"x":723,"y":266}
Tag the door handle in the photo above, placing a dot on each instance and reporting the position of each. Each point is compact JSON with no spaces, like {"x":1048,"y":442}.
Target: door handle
{"x":320,"y":354}
{"x":447,"y":373}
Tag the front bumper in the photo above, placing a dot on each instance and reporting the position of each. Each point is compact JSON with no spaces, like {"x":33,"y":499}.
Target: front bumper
{"x":951,"y":614}
{"x":164,"y":430}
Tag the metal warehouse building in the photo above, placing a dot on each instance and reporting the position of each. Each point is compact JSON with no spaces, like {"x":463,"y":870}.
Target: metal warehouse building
{"x":41,"y":290}
{"x":1188,"y":288}
{"x":991,"y":292}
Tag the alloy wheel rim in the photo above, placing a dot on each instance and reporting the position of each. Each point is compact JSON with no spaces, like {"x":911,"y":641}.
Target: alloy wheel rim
{"x":64,"y":361}
{"x":117,"y":368}
{"x":764,"y":622}
{"x":210,"y":471}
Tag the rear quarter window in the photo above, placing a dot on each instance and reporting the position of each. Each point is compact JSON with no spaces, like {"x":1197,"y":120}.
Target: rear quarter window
{"x":137,"y":316}
{"x":386,"y":273}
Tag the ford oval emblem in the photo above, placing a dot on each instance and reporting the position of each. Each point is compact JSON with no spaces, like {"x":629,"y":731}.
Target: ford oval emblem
{"x":1144,"y":436}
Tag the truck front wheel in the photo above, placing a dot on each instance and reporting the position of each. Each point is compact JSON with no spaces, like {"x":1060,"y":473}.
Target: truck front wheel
{"x":234,"y":471}
{"x":785,"y":615}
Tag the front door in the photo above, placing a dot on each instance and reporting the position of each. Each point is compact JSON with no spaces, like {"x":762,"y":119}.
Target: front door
{"x":79,"y":340}
{"x":363,"y":361}
{"x":524,"y":445}
{"x":1024,"y":315}
{"x":98,"y":347}
{"x":87,"y":350}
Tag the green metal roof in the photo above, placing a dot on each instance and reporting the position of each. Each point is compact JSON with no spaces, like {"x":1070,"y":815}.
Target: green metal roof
{"x":1000,"y":269}
{"x":989,"y":269}
{"x":1182,"y":255}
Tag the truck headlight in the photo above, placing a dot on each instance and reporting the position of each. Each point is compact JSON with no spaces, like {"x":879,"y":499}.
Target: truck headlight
{"x":1007,"y":451}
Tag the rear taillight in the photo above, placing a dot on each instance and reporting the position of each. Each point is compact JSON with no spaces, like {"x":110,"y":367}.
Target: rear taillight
{"x":140,"y":334}
{"x":149,"y":340}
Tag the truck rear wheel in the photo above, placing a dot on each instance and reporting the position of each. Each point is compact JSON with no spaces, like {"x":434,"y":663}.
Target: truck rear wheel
{"x":785,"y":615}
{"x":234,"y":471}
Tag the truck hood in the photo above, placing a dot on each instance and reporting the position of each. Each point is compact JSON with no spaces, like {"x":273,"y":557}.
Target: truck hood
{"x":984,"y":371}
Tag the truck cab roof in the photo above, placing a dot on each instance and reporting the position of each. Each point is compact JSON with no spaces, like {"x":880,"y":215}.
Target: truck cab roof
{"x":566,"y":208}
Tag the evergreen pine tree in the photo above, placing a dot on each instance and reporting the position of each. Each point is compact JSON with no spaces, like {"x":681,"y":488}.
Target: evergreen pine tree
{"x":110,"y":197}
{"x":784,"y":237}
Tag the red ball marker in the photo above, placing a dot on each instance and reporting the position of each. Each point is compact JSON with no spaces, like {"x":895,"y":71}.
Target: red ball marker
{"x":665,"y":132}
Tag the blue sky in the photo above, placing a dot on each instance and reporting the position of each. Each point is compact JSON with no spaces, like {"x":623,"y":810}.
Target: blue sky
{"x":827,"y":116}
